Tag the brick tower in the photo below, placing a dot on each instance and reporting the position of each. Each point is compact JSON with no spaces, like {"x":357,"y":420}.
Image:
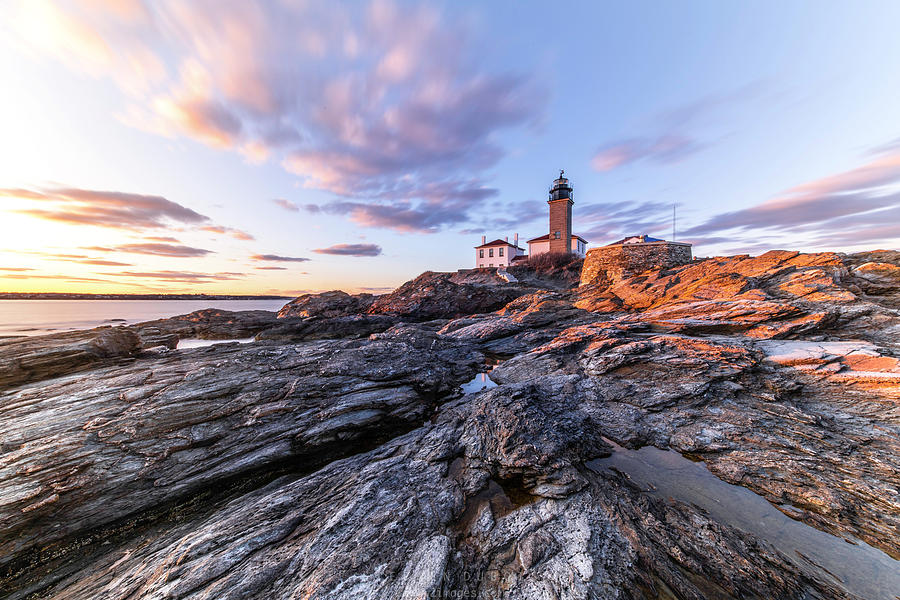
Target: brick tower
{"x":561,"y":201}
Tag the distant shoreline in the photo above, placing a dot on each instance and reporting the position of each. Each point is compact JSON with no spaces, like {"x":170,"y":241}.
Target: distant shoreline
{"x":64,"y":296}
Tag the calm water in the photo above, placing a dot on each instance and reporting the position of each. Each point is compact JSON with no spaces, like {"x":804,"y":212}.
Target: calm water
{"x":478,"y":383}
{"x":37,"y":317}
{"x":862,"y":570}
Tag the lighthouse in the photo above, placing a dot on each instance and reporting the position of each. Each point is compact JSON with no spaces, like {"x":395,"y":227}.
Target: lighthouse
{"x":560,"y":240}
{"x":561,"y":201}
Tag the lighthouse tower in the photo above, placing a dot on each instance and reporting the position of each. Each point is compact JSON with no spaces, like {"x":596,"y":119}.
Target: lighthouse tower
{"x":561,"y":201}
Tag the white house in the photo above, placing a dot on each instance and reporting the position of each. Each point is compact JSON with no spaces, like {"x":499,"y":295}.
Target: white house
{"x":540,"y":245}
{"x":499,"y":253}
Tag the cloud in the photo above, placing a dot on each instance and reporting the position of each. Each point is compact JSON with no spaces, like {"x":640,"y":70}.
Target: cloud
{"x":852,"y":192}
{"x":664,"y":149}
{"x":235,"y":233}
{"x":277,"y":258}
{"x":286,"y":204}
{"x":162,"y":238}
{"x":607,"y":221}
{"x":856,"y":207}
{"x":350,"y":250}
{"x":271,"y":268}
{"x":153,"y":249}
{"x":15,"y":269}
{"x":66,"y":278}
{"x":104,"y":208}
{"x":509,"y":217}
{"x":441,"y":204}
{"x":118,"y":210}
{"x":76,"y":258}
{"x":99,"y":262}
{"x":182,"y":276}
{"x":379,"y":105}
{"x":888,"y":148}
{"x":669,"y":141}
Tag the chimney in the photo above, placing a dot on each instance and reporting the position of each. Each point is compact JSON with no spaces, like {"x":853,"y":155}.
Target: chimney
{"x":482,"y":240}
{"x":506,"y":238}
{"x":516,"y":243}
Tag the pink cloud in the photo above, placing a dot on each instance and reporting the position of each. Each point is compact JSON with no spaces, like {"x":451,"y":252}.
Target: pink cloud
{"x":666,"y":148}
{"x":350,"y":250}
{"x":235,"y":233}
{"x":154,"y":249}
{"x":296,"y":82}
{"x":852,"y":208}
{"x":105,"y":209}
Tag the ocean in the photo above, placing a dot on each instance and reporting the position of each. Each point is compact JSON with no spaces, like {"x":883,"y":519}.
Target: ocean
{"x":39,"y":317}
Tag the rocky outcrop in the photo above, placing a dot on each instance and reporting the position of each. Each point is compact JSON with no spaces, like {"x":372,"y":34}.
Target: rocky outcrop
{"x":354,"y":467}
{"x":27,"y":359}
{"x":81,"y":453}
{"x":326,"y":304}
{"x":434,"y":295}
{"x":617,"y":261}
{"x":207,"y":324}
{"x":324,"y":328}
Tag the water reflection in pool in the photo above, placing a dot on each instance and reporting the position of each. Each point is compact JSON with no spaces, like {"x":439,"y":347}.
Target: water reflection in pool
{"x":478,"y":383}
{"x":197,"y":343}
{"x":860,"y":569}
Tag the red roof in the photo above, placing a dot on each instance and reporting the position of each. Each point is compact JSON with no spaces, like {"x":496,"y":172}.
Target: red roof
{"x":546,"y":236}
{"x":498,"y":242}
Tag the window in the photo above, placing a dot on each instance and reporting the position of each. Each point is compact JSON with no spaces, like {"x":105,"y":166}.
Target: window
{"x":556,"y":234}
{"x":501,"y":252}
{"x":481,"y":253}
{"x":491,"y":253}
{"x":491,"y":265}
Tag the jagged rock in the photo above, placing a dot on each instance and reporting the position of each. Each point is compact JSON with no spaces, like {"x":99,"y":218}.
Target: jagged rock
{"x":326,"y":304}
{"x":461,"y":524}
{"x":80,"y":453}
{"x":354,"y":468}
{"x":322,"y":328}
{"x":446,"y":295}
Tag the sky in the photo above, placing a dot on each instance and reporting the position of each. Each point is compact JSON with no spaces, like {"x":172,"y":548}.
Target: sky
{"x":290,"y":146}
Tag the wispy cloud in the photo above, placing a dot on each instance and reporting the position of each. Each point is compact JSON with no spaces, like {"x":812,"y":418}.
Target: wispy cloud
{"x":440,"y":204}
{"x":99,"y":262}
{"x":112,"y":209}
{"x":384,"y":106}
{"x":604,"y":222}
{"x":15,"y":269}
{"x":286,"y":204}
{"x":666,"y":148}
{"x":278,"y":258}
{"x":672,"y":133}
{"x":119,"y":210}
{"x":520,"y":214}
{"x":235,"y":233}
{"x":153,"y":249}
{"x":857,"y":206}
{"x":181,"y":276}
{"x":350,"y":250}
